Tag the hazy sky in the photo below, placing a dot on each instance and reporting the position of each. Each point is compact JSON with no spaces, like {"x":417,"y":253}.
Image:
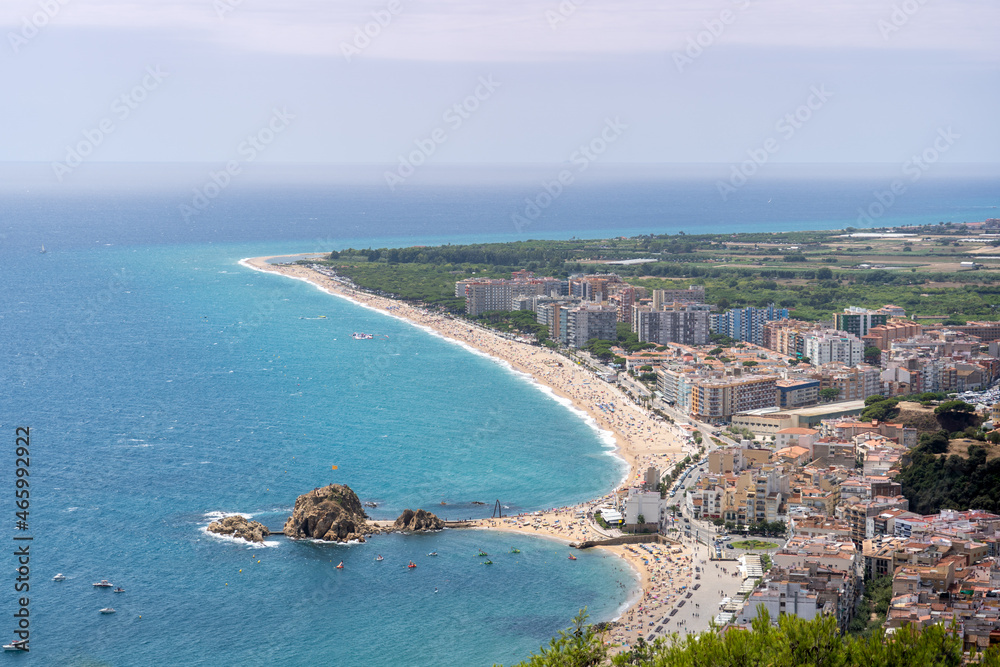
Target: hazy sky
{"x":664,"y":81}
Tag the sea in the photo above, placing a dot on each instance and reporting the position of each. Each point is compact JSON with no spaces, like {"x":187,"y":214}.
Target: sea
{"x":165,"y":385}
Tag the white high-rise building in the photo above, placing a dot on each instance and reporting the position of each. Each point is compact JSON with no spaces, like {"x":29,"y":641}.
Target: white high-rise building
{"x":823,"y":347}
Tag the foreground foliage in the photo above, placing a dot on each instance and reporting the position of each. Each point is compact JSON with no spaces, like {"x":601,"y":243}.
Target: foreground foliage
{"x":794,"y":642}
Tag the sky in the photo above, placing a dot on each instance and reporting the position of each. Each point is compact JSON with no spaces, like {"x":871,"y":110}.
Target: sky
{"x":394,"y":82}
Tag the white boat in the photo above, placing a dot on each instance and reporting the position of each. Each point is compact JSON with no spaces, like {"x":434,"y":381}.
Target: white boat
{"x":433,"y":553}
{"x":103,"y":583}
{"x":107,"y":610}
{"x":59,"y":577}
{"x":16,"y":645}
{"x":362,"y":336}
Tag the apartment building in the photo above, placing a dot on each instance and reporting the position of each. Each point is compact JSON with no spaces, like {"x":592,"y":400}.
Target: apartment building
{"x":882,"y":335}
{"x":485,"y":295}
{"x":747,"y":324}
{"x":589,"y":321}
{"x":859,"y":321}
{"x":687,"y":324}
{"x":855,"y":384}
{"x":826,"y":347}
{"x":693,"y":294}
{"x":788,"y":336}
{"x":798,"y":393}
{"x":719,"y":398}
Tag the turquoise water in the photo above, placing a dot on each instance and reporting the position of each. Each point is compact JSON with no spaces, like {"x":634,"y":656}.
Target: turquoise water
{"x":165,"y":384}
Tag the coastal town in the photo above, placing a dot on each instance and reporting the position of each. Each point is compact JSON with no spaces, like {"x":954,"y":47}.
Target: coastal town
{"x":763,"y":450}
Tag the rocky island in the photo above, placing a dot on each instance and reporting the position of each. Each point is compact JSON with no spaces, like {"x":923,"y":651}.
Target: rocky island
{"x":332,"y":513}
{"x":335,"y":514}
{"x":411,"y":521}
{"x":241,"y":527}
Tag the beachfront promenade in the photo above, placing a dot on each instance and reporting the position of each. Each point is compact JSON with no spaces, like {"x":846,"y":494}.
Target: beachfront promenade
{"x":641,"y":439}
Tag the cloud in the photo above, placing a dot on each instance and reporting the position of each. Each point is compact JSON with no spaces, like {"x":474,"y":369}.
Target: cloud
{"x":531,"y":30}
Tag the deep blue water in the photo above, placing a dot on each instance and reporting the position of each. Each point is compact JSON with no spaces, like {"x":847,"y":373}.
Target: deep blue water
{"x":163,"y":382}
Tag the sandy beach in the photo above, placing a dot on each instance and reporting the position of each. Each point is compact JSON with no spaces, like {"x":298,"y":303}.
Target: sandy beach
{"x":641,"y":439}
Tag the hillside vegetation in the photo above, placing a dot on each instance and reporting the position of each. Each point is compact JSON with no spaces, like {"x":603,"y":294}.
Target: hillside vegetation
{"x":794,"y":642}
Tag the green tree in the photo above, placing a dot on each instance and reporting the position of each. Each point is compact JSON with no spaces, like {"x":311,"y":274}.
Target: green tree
{"x":829,"y":394}
{"x":872,"y":355}
{"x":579,"y":646}
{"x":956,"y":415}
{"x":876,"y":599}
{"x":883,"y":410}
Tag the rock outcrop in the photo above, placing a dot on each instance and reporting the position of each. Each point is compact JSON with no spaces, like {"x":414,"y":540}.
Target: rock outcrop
{"x":238,"y":526}
{"x":332,"y":513}
{"x":419,"y":520}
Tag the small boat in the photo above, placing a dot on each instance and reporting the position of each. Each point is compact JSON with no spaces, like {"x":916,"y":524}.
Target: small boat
{"x":59,"y":577}
{"x":16,"y":645}
{"x":487,"y":562}
{"x":482,"y":553}
{"x":362,"y":336}
{"x":433,"y":553}
{"x":379,"y":557}
{"x":515,"y":551}
{"x":340,"y":566}
{"x":43,"y":249}
{"x":107,"y":610}
{"x":411,"y":565}
{"x":119,"y":590}
{"x":572,"y":557}
{"x":371,"y":504}
{"x":103,"y":583}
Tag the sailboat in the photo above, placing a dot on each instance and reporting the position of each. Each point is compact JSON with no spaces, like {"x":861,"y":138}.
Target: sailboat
{"x":42,"y":251}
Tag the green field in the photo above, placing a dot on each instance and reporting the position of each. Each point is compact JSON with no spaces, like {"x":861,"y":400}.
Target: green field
{"x":814,"y":274}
